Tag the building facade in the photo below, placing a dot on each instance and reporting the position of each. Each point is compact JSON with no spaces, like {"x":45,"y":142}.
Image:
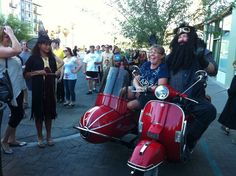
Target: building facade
{"x":25,"y":10}
{"x":220,"y":36}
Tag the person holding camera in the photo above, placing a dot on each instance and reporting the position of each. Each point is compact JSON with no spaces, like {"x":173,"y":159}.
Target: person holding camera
{"x":15,"y":72}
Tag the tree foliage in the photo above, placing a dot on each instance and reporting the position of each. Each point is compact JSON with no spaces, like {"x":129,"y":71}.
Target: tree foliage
{"x":214,"y":9}
{"x":143,"y":18}
{"x":21,"y":29}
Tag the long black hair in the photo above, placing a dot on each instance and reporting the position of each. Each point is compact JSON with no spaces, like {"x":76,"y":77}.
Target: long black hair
{"x":51,"y":56}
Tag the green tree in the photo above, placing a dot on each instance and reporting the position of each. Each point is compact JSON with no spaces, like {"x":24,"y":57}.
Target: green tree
{"x":143,"y":18}
{"x":213,"y":9}
{"x":21,"y":29}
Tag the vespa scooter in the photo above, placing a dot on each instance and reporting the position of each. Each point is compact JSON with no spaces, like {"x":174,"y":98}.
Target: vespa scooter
{"x":162,"y":130}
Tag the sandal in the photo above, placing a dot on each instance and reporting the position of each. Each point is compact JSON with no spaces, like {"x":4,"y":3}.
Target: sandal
{"x":6,"y":148}
{"x":50,"y":142}
{"x":40,"y":143}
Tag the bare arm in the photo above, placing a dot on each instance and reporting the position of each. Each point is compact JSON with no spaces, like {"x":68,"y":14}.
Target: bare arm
{"x":137,"y":84}
{"x":35,"y":73}
{"x":85,"y":67}
{"x":10,"y":51}
{"x":59,"y":62}
{"x":78,"y":67}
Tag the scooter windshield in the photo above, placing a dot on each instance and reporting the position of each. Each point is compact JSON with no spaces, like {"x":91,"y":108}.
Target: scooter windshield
{"x":117,"y":81}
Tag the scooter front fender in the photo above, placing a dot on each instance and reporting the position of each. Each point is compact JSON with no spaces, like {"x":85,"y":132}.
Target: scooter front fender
{"x":147,"y":155}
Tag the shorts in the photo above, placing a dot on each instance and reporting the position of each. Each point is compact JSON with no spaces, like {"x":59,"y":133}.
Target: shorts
{"x":146,"y":97}
{"x":92,"y":74}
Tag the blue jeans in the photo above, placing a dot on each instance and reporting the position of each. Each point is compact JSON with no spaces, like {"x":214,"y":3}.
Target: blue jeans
{"x":70,"y":89}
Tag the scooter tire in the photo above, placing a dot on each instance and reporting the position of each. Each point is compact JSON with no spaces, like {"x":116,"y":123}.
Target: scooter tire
{"x":153,"y":172}
{"x":136,"y":173}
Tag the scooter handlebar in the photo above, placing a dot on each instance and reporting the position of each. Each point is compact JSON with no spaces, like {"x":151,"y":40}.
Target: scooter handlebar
{"x":175,"y":95}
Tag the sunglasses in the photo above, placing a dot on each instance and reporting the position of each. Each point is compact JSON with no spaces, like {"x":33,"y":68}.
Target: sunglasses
{"x":183,"y":30}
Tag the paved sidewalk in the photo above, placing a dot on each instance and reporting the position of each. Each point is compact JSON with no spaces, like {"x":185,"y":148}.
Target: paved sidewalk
{"x":72,"y":156}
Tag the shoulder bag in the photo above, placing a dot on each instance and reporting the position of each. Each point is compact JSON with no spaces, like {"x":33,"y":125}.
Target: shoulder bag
{"x":6,"y":92}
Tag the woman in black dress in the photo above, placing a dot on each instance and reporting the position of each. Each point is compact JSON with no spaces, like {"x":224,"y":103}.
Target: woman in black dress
{"x":42,"y":67}
{"x":228,"y":115}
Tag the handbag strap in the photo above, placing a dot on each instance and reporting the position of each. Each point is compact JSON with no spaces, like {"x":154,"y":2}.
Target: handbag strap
{"x":6,"y":64}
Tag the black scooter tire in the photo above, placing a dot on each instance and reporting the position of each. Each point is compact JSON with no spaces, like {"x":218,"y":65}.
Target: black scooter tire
{"x":149,"y":173}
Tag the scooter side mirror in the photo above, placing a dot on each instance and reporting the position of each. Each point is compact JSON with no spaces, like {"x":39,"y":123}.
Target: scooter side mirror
{"x":201,"y":75}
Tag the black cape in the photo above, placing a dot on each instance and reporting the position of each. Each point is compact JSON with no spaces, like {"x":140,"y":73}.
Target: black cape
{"x":228,"y":115}
{"x":43,"y":88}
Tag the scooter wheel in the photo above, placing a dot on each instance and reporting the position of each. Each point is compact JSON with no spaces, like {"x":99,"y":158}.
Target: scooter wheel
{"x":153,"y":172}
{"x":136,"y":173}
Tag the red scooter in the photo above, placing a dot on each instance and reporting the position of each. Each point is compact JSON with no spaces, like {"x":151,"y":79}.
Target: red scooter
{"x":161,"y":124}
{"x":162,"y":128}
{"x":109,"y":119}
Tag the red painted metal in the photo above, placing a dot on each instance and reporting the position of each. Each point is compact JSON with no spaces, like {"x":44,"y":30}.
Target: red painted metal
{"x":153,"y":155}
{"x":160,"y":122}
{"x":110,"y":117}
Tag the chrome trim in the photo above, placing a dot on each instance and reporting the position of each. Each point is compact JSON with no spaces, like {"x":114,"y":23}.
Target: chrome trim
{"x":140,"y":168}
{"x":161,"y":92}
{"x":97,"y":133}
{"x":140,"y":123}
{"x":91,"y":114}
{"x":121,"y":117}
{"x":178,"y":136}
{"x":98,"y":118}
{"x":144,"y":147}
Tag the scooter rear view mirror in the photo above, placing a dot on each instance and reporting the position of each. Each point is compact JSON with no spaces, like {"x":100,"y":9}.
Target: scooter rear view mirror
{"x":201,"y":75}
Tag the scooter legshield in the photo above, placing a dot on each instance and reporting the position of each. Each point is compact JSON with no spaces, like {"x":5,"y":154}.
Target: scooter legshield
{"x":147,"y":155}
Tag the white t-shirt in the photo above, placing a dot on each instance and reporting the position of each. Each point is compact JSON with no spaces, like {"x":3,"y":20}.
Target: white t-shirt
{"x":69,"y":65}
{"x":89,"y":59}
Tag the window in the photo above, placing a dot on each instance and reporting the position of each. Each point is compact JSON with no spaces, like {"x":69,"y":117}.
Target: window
{"x":224,"y":48}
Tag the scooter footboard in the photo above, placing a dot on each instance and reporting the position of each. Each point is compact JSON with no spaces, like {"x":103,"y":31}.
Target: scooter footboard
{"x":147,"y":155}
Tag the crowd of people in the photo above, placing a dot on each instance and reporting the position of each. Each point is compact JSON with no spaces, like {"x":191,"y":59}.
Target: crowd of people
{"x":50,"y":74}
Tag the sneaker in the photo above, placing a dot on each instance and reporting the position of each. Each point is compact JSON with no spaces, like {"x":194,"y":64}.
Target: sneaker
{"x":95,"y":90}
{"x":66,"y":103}
{"x":89,"y":92}
{"x":72,"y":104}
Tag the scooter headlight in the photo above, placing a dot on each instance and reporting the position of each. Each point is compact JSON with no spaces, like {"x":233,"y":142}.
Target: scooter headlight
{"x":162,"y":92}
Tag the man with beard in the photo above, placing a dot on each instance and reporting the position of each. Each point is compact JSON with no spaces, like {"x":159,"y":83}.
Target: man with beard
{"x":188,"y":55}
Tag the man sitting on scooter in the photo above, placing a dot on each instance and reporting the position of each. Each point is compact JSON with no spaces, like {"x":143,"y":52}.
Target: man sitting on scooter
{"x":152,"y":73}
{"x":188,"y":55}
